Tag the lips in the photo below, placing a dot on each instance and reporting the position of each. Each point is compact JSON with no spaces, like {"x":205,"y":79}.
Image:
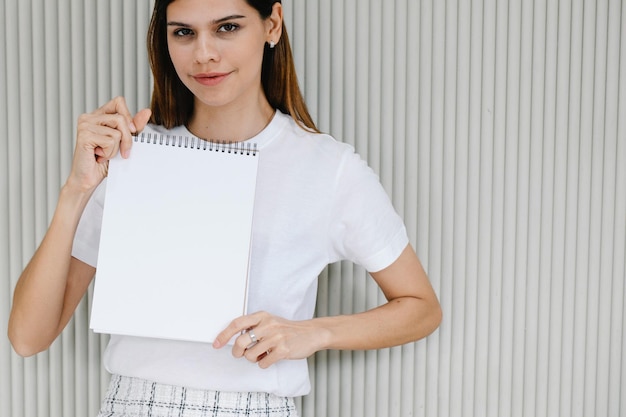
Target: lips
{"x":211,"y":79}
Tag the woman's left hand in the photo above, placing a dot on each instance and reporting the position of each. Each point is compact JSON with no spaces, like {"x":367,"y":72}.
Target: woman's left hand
{"x":266,"y":339}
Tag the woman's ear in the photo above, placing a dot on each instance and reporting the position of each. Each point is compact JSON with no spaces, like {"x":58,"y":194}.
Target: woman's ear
{"x":275,"y":23}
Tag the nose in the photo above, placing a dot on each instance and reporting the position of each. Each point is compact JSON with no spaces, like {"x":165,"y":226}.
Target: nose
{"x":206,"y":50}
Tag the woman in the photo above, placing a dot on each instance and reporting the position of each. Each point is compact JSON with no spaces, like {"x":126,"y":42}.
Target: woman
{"x":223,"y":70}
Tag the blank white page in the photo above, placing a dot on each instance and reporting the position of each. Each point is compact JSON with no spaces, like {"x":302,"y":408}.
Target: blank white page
{"x":175,"y":243}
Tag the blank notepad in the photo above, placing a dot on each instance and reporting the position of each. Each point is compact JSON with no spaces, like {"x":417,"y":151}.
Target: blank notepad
{"x":175,"y":243}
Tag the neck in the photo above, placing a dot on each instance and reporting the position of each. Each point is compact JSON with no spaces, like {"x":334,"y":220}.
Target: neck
{"x":234,"y":124}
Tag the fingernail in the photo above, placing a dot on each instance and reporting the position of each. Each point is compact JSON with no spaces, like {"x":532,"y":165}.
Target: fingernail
{"x":133,"y":128}
{"x":126,"y":153}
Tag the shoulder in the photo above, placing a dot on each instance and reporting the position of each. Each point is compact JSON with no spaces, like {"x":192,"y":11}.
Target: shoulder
{"x":315,"y":145}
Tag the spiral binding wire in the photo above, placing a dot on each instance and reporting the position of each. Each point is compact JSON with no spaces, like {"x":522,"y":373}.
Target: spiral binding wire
{"x":192,"y":142}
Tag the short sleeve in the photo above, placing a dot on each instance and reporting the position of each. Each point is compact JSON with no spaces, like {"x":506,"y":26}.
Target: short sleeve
{"x":365,"y":227}
{"x":87,"y":237}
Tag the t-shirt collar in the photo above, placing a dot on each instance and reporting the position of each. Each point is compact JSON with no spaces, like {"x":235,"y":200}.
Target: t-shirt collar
{"x":262,"y":139}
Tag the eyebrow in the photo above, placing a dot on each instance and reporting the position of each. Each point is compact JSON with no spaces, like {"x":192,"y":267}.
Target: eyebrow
{"x":214,"y":22}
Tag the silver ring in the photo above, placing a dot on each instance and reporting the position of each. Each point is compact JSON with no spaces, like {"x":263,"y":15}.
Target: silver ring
{"x":252,"y":336}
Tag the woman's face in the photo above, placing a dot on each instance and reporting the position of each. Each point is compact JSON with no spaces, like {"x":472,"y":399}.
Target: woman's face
{"x":217,"y":47}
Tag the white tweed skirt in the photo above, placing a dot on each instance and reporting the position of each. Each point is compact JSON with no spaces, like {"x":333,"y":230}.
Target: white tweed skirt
{"x":133,"y":397}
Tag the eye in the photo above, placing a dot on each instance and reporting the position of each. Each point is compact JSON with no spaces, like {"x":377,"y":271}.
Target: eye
{"x":182,"y":32}
{"x":228,"y":27}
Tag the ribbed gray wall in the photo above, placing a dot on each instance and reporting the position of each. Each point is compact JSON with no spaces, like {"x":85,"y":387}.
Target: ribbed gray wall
{"x":499,"y":130}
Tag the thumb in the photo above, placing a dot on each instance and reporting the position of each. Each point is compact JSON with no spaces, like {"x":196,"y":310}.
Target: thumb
{"x":141,"y":119}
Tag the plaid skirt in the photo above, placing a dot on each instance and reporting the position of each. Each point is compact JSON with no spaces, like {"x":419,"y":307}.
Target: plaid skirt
{"x":133,"y":397}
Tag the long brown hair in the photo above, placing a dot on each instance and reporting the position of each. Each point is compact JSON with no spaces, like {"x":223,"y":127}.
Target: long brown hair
{"x":172,"y":102}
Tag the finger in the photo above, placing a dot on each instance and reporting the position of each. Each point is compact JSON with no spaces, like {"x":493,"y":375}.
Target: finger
{"x":252,"y":336}
{"x":225,"y":335}
{"x":256,"y":351}
{"x":120,"y":123}
{"x":136,"y":125}
{"x":102,"y":137}
{"x":235,"y":327}
{"x":124,"y":121}
{"x":103,"y":155}
{"x":263,"y":354}
{"x":101,"y":160}
{"x":141,"y":119}
{"x":113,"y":125}
{"x":116,"y":106}
{"x":113,"y":120}
{"x":99,"y":152}
{"x":267,"y":359}
{"x":246,"y":341}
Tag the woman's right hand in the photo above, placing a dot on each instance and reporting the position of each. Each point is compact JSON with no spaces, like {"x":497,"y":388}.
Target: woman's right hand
{"x":100,"y":136}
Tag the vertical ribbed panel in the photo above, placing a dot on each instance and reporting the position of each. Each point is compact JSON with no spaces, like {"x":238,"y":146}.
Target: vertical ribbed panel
{"x":498,"y":129}
{"x":73,"y":58}
{"x":8,"y":264}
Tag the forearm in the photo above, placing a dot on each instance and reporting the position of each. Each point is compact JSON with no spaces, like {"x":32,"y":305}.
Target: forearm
{"x":53,"y":283}
{"x":399,"y":321}
{"x":412,"y":312}
{"x":38,"y":300}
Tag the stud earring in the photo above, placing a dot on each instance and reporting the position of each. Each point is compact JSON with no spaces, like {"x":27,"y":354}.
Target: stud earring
{"x":272,"y":44}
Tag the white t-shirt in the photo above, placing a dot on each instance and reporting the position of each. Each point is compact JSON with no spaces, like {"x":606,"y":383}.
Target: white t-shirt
{"x":317,"y":202}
